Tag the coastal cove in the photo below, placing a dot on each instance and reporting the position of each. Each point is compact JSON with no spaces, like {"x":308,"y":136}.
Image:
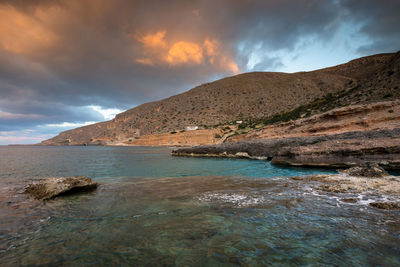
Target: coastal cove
{"x":155,"y":209}
{"x":199,"y":133}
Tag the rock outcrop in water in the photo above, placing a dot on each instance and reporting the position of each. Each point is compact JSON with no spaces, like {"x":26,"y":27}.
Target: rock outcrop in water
{"x":382,"y":192}
{"x":366,"y":170}
{"x":52,"y":187}
{"x":338,"y":150}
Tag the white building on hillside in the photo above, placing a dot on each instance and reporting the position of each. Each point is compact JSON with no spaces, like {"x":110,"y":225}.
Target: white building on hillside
{"x":191,"y":128}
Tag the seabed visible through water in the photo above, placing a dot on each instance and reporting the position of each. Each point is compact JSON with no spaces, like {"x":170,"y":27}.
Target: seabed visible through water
{"x":156,"y":210}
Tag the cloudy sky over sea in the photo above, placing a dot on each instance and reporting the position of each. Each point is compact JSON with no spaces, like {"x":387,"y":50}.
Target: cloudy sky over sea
{"x":67,"y":63}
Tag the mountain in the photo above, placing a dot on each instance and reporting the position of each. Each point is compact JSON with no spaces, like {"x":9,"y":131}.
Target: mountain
{"x":261,"y":97}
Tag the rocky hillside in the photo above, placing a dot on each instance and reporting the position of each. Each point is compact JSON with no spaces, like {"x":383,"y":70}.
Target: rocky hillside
{"x":257,"y":96}
{"x":364,"y":117}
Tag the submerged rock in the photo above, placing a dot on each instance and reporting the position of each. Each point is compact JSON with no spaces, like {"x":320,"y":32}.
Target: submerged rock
{"x":386,"y":205}
{"x":349,"y":200}
{"x":51,"y":187}
{"x":367,"y":170}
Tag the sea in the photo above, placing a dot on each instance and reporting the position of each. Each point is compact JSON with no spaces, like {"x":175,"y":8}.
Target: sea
{"x":153,"y":209}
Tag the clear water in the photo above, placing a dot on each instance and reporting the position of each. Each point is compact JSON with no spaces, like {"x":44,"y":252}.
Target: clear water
{"x":131,"y":162}
{"x":156,"y":210}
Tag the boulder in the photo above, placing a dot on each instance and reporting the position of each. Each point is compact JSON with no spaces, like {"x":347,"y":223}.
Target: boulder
{"x":367,"y":170}
{"x":52,"y":187}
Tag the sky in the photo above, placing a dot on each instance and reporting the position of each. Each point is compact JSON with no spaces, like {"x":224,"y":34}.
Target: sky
{"x":68,"y":63}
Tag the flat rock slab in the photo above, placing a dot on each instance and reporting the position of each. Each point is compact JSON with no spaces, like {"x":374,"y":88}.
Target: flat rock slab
{"x":343,"y":183}
{"x":54,"y":186}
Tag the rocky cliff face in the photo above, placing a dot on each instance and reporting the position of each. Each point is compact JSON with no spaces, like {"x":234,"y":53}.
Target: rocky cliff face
{"x":249,"y":95}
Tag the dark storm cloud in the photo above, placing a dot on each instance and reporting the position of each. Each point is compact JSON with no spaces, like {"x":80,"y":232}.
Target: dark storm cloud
{"x":378,"y":20}
{"x":58,"y":57}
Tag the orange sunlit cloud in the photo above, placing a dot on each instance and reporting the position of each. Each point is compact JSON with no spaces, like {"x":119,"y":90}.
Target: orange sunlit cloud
{"x":158,"y":51}
{"x":22,"y":34}
{"x":153,"y":41}
{"x":211,"y":47}
{"x":231,"y":65}
{"x":183,"y":52}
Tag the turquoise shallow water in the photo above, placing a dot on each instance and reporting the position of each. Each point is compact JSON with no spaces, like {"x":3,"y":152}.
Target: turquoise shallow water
{"x":132,"y":162}
{"x":156,"y":210}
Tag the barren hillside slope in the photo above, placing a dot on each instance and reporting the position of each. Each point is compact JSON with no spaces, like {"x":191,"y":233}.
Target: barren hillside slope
{"x":254,"y":95}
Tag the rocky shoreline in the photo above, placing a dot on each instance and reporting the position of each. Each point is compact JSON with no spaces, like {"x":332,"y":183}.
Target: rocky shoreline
{"x":352,"y":184}
{"x":334,"y":151}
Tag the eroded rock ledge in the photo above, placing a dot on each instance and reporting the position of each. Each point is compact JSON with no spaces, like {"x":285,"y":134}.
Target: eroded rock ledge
{"x":337,"y":151}
{"x":369,"y":179}
{"x":54,"y":186}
